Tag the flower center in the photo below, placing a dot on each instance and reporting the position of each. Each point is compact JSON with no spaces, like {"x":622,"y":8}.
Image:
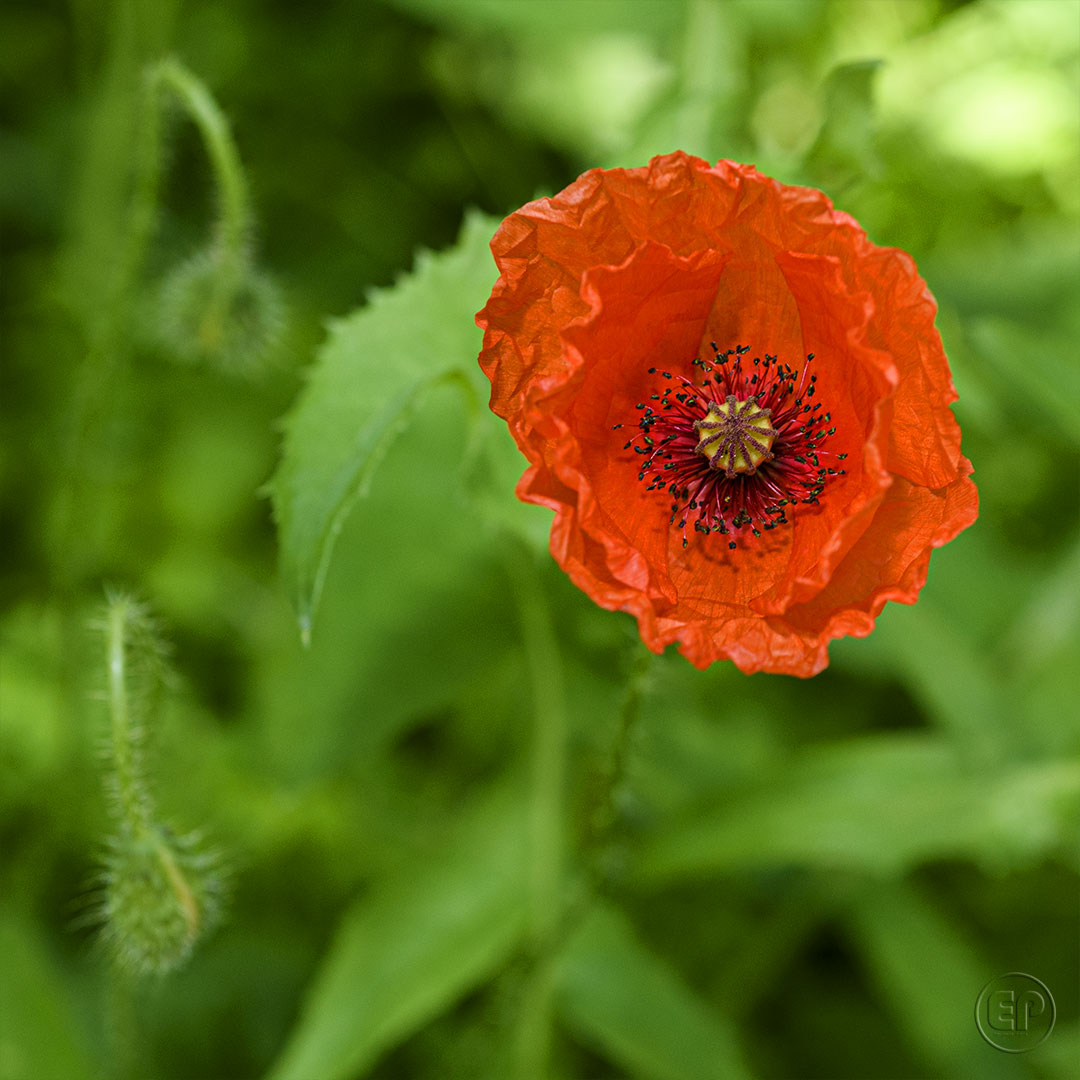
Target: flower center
{"x":736,"y":436}
{"x":739,"y":450}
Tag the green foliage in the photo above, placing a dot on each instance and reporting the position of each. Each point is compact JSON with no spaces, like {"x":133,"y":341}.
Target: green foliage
{"x":637,"y":1009}
{"x":42,"y":1033}
{"x":414,"y":944}
{"x":901,"y":937}
{"x":844,"y":150}
{"x":928,"y":803}
{"x":367,"y":383}
{"x":474,"y":835}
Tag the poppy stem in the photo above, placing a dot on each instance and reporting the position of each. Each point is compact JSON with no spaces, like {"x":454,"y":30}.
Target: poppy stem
{"x":231,"y":256}
{"x":124,"y":621}
{"x":546,"y":817}
{"x":605,"y":818}
{"x":122,"y":1031}
{"x":548,"y":750}
{"x":97,"y":386}
{"x":235,"y":218}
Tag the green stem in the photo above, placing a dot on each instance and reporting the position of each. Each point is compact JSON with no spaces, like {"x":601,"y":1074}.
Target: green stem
{"x":234,"y":223}
{"x":145,"y":195}
{"x":234,"y":212}
{"x":546,"y":818}
{"x":548,"y":749}
{"x":96,"y":383}
{"x":548,"y":769}
{"x":629,"y":714}
{"x":108,"y":343}
{"x":555,"y":921}
{"x":122,"y":1029}
{"x":131,"y":795}
{"x":532,"y":1043}
{"x":605,"y":819}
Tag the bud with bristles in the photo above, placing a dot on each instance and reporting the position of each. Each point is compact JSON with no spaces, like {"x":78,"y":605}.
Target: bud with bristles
{"x":222,"y":315}
{"x":160,"y":893}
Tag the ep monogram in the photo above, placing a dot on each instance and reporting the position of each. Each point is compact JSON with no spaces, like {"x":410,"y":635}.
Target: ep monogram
{"x":1015,"y":1012}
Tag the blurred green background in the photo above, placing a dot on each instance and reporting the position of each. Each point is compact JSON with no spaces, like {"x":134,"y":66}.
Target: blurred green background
{"x":470,"y":831}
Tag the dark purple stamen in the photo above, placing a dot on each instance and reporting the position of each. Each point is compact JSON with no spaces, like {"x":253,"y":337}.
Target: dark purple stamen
{"x":737,"y":452}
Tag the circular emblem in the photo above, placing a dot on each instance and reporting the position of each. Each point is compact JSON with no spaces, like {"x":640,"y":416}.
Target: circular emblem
{"x":1015,"y":1012}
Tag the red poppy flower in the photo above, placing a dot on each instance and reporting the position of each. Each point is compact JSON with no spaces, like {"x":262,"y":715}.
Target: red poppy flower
{"x":736,"y":405}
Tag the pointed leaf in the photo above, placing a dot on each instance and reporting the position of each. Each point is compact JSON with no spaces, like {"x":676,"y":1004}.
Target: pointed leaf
{"x":366,"y":382}
{"x":929,"y":976}
{"x":626,"y":1000}
{"x":412,"y":946}
{"x":880,"y":804}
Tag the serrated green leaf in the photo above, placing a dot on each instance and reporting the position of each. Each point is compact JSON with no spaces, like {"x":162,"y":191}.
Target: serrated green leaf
{"x":627,"y":1001}
{"x":367,"y":380}
{"x":878,"y":805}
{"x":413,"y":945}
{"x":414,"y":564}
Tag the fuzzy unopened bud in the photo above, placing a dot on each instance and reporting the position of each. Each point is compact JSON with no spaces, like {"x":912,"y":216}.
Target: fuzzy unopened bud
{"x":216,"y":312}
{"x":160,"y":891}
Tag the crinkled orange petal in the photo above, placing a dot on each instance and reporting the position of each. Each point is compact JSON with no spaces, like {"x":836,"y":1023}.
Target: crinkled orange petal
{"x":629,"y":269}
